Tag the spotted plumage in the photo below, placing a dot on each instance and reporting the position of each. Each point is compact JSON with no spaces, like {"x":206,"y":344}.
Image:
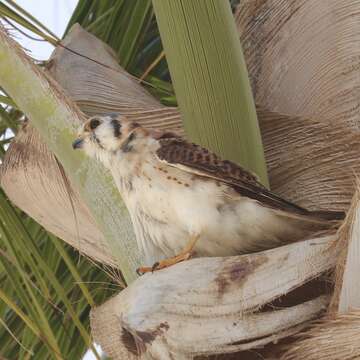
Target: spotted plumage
{"x":176,"y":190}
{"x":200,"y":160}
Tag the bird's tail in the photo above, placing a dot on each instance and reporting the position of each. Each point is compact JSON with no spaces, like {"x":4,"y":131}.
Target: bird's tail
{"x":328,"y":215}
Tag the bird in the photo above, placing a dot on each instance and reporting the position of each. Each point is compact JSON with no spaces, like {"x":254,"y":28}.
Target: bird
{"x":185,"y":201}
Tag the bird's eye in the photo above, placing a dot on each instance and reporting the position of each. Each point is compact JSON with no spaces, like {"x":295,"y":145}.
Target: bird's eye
{"x":94,"y":123}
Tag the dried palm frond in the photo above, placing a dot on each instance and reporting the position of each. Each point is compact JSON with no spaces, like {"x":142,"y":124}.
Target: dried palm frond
{"x":332,"y":338}
{"x":335,"y":336}
{"x":221,"y":305}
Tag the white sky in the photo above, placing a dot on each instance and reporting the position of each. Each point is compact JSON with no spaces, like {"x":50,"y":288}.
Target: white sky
{"x":54,"y":14}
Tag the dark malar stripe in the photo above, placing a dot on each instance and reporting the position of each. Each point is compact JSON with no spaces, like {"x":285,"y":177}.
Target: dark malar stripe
{"x":117,"y":126}
{"x":126,"y":146}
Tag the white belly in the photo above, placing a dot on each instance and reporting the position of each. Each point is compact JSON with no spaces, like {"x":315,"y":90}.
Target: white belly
{"x":167,"y":212}
{"x":167,"y":208}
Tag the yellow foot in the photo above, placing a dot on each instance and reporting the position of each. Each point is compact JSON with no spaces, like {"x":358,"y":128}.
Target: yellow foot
{"x":184,"y":255}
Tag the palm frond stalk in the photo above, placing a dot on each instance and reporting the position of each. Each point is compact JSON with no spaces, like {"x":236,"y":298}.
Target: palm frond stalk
{"x":56,"y":119}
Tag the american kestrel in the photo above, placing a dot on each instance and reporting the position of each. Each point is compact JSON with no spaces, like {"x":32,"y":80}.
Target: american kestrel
{"x":183,"y":199}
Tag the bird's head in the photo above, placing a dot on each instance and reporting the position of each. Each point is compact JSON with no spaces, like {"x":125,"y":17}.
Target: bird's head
{"x":101,"y":134}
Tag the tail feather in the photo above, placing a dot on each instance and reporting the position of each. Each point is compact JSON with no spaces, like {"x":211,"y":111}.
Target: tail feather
{"x":328,"y":215}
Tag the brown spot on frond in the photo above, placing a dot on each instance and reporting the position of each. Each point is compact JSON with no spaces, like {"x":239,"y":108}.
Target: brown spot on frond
{"x":129,"y":342}
{"x":236,"y":273}
{"x":136,"y":341}
{"x":150,"y":335}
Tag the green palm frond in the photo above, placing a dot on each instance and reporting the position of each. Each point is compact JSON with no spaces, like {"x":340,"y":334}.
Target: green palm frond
{"x":27,"y":17}
{"x":23,"y":18}
{"x":46,"y":291}
{"x":121,"y":24}
{"x":7,"y":101}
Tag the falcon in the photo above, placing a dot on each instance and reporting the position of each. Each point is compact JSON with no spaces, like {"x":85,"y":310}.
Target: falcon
{"x":184,"y":200}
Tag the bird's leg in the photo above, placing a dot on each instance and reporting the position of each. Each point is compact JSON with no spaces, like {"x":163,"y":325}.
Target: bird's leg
{"x":185,"y":254}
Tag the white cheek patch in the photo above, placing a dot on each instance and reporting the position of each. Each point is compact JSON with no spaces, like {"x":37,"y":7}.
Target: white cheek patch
{"x":90,"y":148}
{"x":105,"y":135}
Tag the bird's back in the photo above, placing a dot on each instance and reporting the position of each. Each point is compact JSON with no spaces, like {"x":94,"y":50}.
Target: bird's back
{"x":169,"y":204}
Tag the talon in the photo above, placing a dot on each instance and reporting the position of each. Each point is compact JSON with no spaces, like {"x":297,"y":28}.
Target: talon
{"x":155,"y":266}
{"x":143,"y":270}
{"x":163,"y":264}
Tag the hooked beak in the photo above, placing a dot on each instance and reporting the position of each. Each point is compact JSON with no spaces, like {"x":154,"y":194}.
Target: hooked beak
{"x":78,"y":143}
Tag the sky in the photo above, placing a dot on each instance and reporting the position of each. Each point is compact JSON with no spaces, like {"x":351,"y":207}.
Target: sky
{"x":54,"y":14}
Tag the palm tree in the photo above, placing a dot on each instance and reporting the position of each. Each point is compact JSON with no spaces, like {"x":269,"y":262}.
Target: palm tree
{"x":129,"y":27}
